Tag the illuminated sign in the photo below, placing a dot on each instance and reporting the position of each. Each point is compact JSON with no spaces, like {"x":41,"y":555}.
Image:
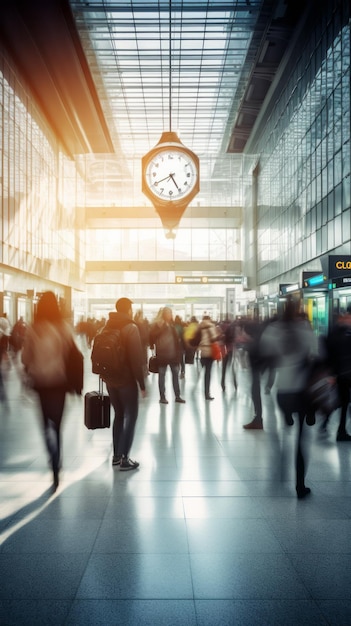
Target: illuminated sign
{"x":339,"y":265}
{"x":205,"y":280}
{"x":312,"y":279}
{"x":284,"y":289}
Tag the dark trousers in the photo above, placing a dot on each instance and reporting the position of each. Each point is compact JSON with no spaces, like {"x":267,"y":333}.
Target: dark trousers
{"x":162,"y":379}
{"x":52,"y":402}
{"x":3,"y":340}
{"x":344,"y":386}
{"x":125,"y":401}
{"x":227,"y":361}
{"x":291,"y":403}
{"x":256,"y":391}
{"x":207,"y":362}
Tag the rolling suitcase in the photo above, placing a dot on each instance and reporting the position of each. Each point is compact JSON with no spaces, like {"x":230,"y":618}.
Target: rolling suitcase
{"x":97,"y":408}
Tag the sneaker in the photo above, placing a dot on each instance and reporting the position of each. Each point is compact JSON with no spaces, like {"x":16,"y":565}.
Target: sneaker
{"x":163,"y":401}
{"x":127,"y":464}
{"x":179,"y":399}
{"x":116,"y":460}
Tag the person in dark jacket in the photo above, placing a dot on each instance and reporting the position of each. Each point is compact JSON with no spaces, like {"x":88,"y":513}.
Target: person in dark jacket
{"x":164,"y":337}
{"x":228,"y":329}
{"x":339,"y":354}
{"x":254,"y":330}
{"x":123,"y":392}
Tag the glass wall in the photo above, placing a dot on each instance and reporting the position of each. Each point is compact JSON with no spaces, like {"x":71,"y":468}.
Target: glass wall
{"x":304,"y":205}
{"x":38,"y":193}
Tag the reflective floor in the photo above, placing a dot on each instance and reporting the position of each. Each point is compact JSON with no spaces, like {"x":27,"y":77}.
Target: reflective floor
{"x":208,"y":531}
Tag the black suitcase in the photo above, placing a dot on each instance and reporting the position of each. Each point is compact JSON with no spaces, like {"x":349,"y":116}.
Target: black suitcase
{"x":97,"y":409}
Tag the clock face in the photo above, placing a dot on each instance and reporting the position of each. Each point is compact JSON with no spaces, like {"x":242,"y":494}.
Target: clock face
{"x":171,"y":174}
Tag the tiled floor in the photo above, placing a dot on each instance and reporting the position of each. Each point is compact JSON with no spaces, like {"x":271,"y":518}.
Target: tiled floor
{"x":208,"y":531}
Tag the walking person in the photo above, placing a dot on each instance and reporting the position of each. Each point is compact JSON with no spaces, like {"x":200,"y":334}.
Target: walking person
{"x":165,"y":339}
{"x":339,"y":356}
{"x":144,"y":330}
{"x":45,"y":352}
{"x":253,"y":330}
{"x":179,"y":326}
{"x":208,"y":336}
{"x":291,"y":343}
{"x":5,"y":330}
{"x":123,"y":391}
{"x":229,"y":329}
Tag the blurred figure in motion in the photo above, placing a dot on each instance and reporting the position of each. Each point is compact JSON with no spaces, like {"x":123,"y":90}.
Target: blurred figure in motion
{"x":291,"y":344}
{"x":339,"y":357}
{"x":45,"y":350}
{"x":209,"y":335}
{"x":179,"y":326}
{"x":253,"y":330}
{"x":144,"y":331}
{"x":17,"y":336}
{"x":229,"y":334}
{"x":5,"y":330}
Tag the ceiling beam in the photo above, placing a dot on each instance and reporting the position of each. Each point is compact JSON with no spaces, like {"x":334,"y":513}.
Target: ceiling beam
{"x":42,"y":39}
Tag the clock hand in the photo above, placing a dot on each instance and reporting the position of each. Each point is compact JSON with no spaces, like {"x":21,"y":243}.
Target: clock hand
{"x":162,"y":179}
{"x":172,"y":177}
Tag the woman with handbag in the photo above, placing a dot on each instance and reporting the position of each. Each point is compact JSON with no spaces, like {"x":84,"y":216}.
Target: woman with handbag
{"x":46,"y":349}
{"x":164,"y":337}
{"x":207,"y":347}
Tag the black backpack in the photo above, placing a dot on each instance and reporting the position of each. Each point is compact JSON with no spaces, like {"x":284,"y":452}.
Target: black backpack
{"x":108,"y":355}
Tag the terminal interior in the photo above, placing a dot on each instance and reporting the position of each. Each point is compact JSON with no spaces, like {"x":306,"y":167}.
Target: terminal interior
{"x":209,"y":529}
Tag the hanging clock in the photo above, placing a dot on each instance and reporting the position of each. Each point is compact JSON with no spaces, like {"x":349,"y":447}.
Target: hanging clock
{"x":170,"y":177}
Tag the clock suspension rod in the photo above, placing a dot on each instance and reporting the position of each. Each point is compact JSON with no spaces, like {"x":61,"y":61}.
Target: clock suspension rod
{"x":170,"y":68}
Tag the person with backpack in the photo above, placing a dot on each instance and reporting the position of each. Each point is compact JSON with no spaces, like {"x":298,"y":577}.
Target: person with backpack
{"x":123,"y":373}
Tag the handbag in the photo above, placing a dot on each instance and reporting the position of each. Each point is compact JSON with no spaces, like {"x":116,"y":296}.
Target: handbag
{"x":153,"y":364}
{"x":216,"y":351}
{"x":74,"y":369}
{"x":322,"y":391}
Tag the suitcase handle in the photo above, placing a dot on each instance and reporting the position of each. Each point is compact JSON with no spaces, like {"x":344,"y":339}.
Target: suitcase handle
{"x":101,"y":393}
{"x":101,"y":386}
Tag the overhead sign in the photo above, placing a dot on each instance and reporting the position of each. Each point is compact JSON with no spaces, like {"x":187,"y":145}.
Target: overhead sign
{"x":343,"y":281}
{"x":206,"y":280}
{"x":286,"y":288}
{"x":339,"y":265}
{"x":314,"y":279}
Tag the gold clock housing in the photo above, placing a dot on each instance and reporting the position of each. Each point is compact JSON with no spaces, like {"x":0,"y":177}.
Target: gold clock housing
{"x":170,"y":173}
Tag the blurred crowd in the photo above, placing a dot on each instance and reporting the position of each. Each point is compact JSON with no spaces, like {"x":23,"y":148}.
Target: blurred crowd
{"x":310,"y":375}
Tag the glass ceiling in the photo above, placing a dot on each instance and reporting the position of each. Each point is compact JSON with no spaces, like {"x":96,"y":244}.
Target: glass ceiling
{"x":173,"y":65}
